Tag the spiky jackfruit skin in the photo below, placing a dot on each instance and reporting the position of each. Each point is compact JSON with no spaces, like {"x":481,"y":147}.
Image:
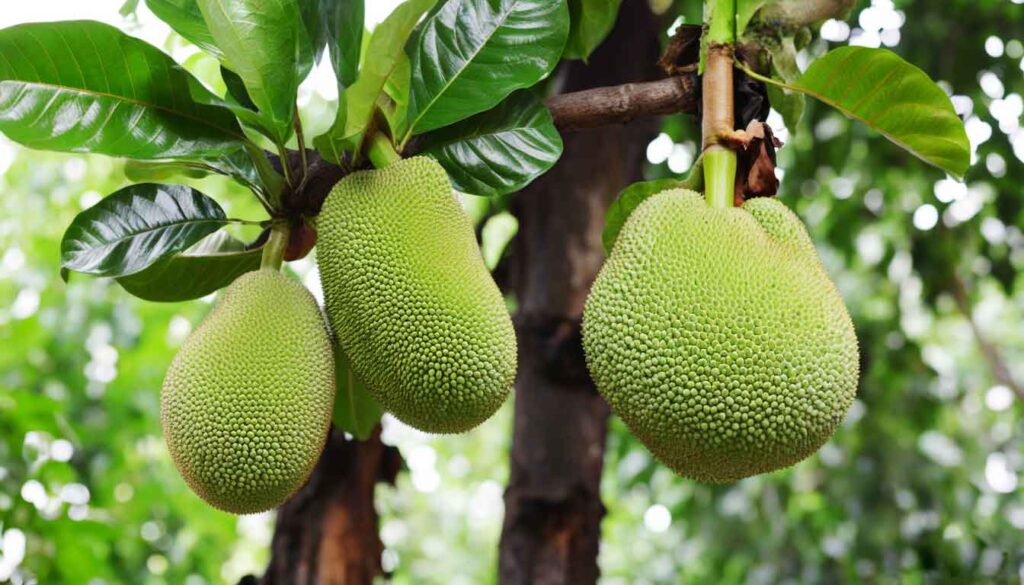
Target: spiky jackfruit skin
{"x":717,"y":336}
{"x":247,"y":402}
{"x":410,"y":299}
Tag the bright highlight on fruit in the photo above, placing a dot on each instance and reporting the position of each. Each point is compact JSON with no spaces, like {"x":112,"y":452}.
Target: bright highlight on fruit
{"x":410,"y":300}
{"x":247,"y":402}
{"x":717,"y":336}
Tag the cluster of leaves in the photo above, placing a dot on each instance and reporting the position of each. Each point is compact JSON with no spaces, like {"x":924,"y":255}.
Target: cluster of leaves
{"x":459,"y":77}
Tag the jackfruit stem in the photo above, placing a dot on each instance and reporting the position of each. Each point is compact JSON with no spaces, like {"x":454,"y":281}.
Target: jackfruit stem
{"x":718,"y":107}
{"x":381,"y":151}
{"x":274,"y":249}
{"x":719,"y":176}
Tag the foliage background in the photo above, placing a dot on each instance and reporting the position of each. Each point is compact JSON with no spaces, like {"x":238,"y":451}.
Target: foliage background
{"x":921,"y":483}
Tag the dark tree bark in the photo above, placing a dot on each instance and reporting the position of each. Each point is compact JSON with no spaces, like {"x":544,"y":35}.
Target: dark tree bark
{"x":327,"y":533}
{"x":553,"y":508}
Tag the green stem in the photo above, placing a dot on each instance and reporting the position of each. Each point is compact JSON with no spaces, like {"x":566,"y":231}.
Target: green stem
{"x":722,"y":28}
{"x":381,"y":152}
{"x":273,"y":250}
{"x":718,"y":107}
{"x":719,"y":176}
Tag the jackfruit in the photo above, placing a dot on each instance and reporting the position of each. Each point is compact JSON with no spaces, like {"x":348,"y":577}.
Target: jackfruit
{"x":410,"y":300}
{"x":718,"y":338}
{"x":246,"y":404}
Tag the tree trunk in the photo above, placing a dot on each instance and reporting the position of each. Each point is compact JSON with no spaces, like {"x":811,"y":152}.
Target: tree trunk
{"x":327,"y":533}
{"x":553,"y":508}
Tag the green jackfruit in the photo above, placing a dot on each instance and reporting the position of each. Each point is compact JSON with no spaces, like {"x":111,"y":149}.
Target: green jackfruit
{"x":718,"y":338}
{"x":247,"y":402}
{"x":410,"y":299}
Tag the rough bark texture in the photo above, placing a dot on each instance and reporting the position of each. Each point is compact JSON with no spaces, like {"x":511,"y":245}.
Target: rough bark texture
{"x":553,"y":508}
{"x":327,"y":533}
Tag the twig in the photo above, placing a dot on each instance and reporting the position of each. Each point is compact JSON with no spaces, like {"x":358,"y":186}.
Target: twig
{"x":995,"y":361}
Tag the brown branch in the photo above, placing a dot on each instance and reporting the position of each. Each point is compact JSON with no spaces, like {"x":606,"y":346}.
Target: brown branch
{"x":998,"y":367}
{"x":621,"y":104}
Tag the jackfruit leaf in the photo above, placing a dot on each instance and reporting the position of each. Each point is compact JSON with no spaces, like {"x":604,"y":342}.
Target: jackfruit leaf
{"x":355,"y":411}
{"x":383,"y":55}
{"x":208,"y":266}
{"x":498,"y":151}
{"x":470,"y":54}
{"x":397,"y":90}
{"x":134,"y":227}
{"x":314,"y":15}
{"x":236,"y":88}
{"x":893,"y":97}
{"x":632,"y":196}
{"x":141,"y":171}
{"x":267,"y":45}
{"x":344,"y":26}
{"x":590,"y":21}
{"x":135,"y":102}
{"x":745,"y":10}
{"x":184,"y":17}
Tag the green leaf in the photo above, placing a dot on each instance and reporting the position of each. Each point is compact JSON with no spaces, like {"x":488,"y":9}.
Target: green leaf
{"x":185,"y":18}
{"x":134,"y":227}
{"x":83,"y":86}
{"x":383,"y":55}
{"x":265,"y":42}
{"x":470,"y":54}
{"x":236,"y":88}
{"x":208,"y":266}
{"x":498,"y":151}
{"x":344,"y":26}
{"x":141,"y":171}
{"x":355,"y":411}
{"x":745,"y":10}
{"x":590,"y":22}
{"x":893,"y":97}
{"x":396,"y":109}
{"x":632,"y":196}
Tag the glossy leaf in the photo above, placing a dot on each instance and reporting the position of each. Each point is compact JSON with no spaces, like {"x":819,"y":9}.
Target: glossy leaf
{"x":265,"y":42}
{"x":499,"y":151}
{"x":99,"y":90}
{"x":470,"y":54}
{"x":136,"y":226}
{"x":343,"y":23}
{"x":632,"y":196}
{"x":236,"y":88}
{"x":185,"y":18}
{"x":383,"y":55}
{"x":893,"y":97}
{"x":590,"y":21}
{"x":210,"y":265}
{"x":355,"y":411}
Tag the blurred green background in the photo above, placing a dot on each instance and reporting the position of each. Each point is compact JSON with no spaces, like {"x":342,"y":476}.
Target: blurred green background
{"x":921,"y":484}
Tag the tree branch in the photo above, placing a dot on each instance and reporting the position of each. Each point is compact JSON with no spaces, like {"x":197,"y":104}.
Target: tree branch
{"x":996,"y":365}
{"x":621,"y":104}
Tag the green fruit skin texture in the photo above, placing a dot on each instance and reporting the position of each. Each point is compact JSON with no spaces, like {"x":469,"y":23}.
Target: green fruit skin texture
{"x":718,"y":338}
{"x":246,"y":404}
{"x":410,"y":299}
